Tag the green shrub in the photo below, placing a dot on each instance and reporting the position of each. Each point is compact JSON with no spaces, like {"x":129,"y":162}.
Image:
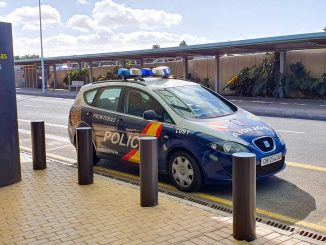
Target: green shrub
{"x":75,"y":75}
{"x":265,"y":80}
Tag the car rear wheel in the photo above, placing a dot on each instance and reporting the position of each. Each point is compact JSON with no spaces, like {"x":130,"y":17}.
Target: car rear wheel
{"x":184,"y":172}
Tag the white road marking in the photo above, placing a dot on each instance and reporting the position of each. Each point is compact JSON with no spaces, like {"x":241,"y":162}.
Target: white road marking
{"x":289,"y":131}
{"x":33,"y":106}
{"x":47,"y":124}
{"x":63,"y":146}
{"x":48,"y":136}
{"x":262,"y":102}
{"x":322,"y":105}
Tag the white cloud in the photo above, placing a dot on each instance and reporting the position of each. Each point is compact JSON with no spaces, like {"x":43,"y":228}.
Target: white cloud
{"x":82,"y":23}
{"x":64,"y":44}
{"x":3,"y":4}
{"x":28,"y":17}
{"x":110,"y":15}
{"x":111,"y":27}
{"x":82,"y":1}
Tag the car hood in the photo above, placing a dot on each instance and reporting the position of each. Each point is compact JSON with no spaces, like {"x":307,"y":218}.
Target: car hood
{"x":241,"y":127}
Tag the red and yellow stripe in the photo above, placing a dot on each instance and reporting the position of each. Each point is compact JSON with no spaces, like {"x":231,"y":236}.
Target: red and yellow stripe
{"x":151,"y":129}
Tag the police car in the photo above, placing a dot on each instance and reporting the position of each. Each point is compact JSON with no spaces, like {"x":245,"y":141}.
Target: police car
{"x":197,"y":129}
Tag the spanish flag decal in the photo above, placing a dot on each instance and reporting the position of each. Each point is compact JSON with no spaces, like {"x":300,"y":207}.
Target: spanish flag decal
{"x":151,"y":129}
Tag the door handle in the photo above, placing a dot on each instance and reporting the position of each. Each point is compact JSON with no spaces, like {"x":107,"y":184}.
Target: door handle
{"x":89,"y":113}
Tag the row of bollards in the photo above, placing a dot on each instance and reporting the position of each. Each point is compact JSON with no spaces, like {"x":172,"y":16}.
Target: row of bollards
{"x":243,"y":172}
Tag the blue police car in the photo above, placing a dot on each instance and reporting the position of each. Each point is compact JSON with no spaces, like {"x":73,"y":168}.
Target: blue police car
{"x":197,"y":129}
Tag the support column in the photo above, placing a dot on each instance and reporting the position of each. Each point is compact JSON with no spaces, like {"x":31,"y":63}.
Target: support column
{"x":10,"y":171}
{"x":47,"y":74}
{"x":282,"y":61}
{"x":90,"y":71}
{"x":185,"y":67}
{"x":217,"y":84}
{"x":122,"y":63}
{"x":55,"y":75}
{"x":79,"y":66}
{"x":141,"y":63}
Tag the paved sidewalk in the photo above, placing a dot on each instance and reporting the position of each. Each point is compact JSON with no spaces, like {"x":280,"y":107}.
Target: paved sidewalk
{"x":59,"y":93}
{"x":292,"y":108}
{"x":49,"y":207}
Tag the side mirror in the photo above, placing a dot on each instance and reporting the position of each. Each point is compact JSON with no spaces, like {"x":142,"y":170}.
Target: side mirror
{"x":151,"y":115}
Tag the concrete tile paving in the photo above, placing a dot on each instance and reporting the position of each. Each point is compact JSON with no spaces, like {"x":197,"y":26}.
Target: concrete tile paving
{"x":49,"y":207}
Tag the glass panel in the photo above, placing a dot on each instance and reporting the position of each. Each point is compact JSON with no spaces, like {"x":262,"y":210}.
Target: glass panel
{"x":90,"y":95}
{"x":195,"y":102}
{"x":109,"y":99}
{"x":138,"y":102}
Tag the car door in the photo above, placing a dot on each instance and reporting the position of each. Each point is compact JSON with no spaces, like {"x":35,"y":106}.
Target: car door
{"x":135,"y":103}
{"x":102,"y":115}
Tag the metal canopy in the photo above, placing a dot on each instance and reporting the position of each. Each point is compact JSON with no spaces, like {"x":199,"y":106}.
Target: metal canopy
{"x":269,"y":44}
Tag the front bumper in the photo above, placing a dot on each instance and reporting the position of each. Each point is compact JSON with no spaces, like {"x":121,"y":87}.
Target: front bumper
{"x":217,"y":167}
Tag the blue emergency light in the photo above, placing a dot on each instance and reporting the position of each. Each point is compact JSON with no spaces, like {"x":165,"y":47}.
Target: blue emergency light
{"x":146,"y":72}
{"x":123,"y":72}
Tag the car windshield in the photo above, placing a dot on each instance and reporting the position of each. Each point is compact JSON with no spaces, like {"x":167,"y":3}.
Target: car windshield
{"x":195,"y":102}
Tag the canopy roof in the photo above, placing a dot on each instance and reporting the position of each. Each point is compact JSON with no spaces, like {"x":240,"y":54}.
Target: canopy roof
{"x":268,"y":44}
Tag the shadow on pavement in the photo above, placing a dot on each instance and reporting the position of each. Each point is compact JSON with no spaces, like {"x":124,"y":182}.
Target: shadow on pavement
{"x":273,"y":194}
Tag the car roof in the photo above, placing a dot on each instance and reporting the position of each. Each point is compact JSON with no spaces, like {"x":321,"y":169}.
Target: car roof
{"x":150,"y":83}
{"x":158,"y":82}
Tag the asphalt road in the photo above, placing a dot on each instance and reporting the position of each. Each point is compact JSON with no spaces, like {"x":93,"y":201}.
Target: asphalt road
{"x":298,"y":193}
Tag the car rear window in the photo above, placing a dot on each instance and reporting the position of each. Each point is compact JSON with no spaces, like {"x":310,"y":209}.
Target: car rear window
{"x":90,"y":95}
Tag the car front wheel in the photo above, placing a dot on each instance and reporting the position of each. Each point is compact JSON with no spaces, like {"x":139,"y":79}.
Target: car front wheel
{"x":184,"y":172}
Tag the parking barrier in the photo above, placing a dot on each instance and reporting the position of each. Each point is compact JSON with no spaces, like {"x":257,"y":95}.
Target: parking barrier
{"x":244,"y":196}
{"x":38,"y":145}
{"x":84,"y":146}
{"x":148,"y":172}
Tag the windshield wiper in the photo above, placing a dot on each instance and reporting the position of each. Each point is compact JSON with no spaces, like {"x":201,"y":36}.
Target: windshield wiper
{"x":181,"y":108}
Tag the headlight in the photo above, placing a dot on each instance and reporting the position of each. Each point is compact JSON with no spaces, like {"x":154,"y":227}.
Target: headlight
{"x":279,"y":136}
{"x":228,"y":147}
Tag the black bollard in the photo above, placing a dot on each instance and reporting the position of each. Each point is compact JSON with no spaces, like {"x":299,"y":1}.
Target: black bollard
{"x":244,"y":196}
{"x":148,"y":172}
{"x":38,"y":145}
{"x":84,"y":155}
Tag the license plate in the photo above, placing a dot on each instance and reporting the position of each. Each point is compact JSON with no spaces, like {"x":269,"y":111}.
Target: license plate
{"x":271,"y":159}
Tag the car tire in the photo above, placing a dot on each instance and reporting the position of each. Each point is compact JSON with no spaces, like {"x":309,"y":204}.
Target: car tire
{"x":184,"y":172}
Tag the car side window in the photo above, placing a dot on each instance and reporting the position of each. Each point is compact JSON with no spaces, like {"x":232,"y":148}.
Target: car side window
{"x":137,"y":102}
{"x":108,"y":99}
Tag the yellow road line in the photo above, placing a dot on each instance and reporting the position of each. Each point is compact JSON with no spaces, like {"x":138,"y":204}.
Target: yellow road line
{"x":306,"y":166}
{"x":276,"y":216}
{"x":121,"y":174}
{"x":60,"y":158}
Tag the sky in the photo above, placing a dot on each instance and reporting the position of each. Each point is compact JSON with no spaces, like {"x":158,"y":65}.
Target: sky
{"x":99,"y":26}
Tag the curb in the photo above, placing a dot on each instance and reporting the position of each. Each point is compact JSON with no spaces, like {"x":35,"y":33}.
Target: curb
{"x":288,"y":115}
{"x":62,"y":96}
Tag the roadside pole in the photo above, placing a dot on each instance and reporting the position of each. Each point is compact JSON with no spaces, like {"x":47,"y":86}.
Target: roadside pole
{"x":10,"y":171}
{"x":68,"y":74}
